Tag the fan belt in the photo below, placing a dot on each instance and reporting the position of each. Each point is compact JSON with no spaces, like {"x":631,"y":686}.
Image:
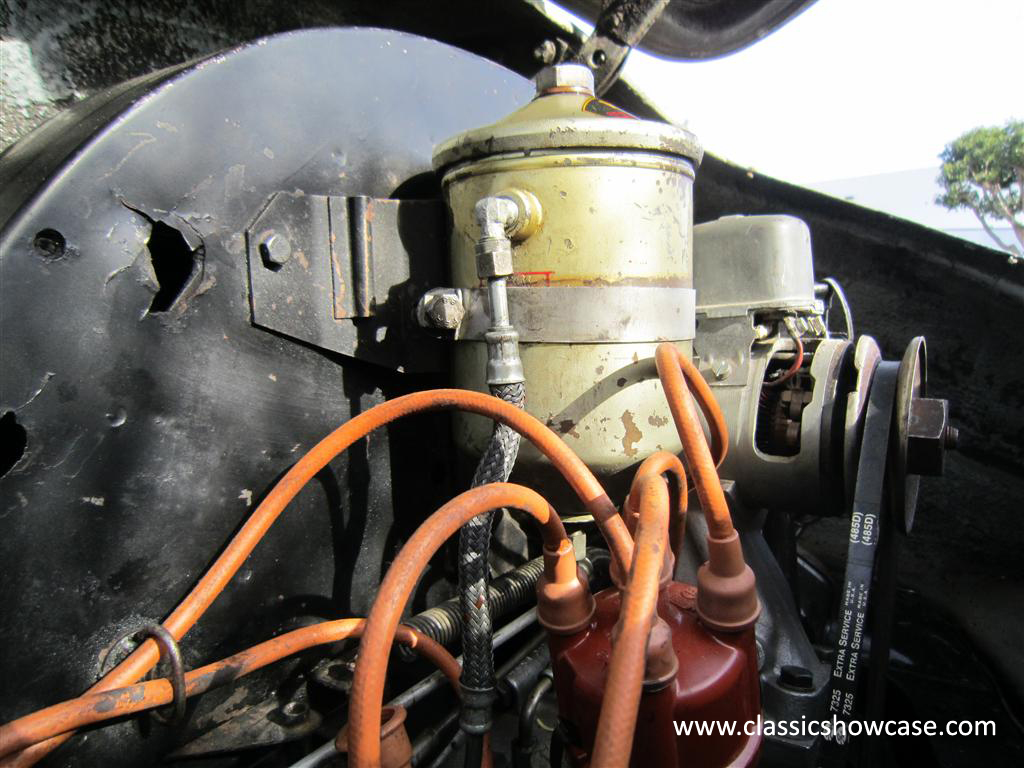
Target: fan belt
{"x":866,"y":525}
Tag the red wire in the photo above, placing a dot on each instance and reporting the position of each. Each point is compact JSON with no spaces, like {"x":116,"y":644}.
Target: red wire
{"x":791,"y":372}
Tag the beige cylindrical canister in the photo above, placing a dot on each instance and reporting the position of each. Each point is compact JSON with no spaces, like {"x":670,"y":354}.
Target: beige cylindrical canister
{"x":604,"y":278}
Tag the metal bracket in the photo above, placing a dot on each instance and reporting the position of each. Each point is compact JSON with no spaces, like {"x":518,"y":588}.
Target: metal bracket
{"x":621,"y":26}
{"x":344,"y":274}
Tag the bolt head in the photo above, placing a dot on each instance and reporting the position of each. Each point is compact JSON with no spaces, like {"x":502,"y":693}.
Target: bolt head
{"x":927,"y":436}
{"x":445,"y":310}
{"x":721,"y":370}
{"x":275,"y":249}
{"x":796,"y":677}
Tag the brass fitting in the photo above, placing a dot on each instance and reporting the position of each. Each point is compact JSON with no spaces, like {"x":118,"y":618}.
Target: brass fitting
{"x":529,"y":215}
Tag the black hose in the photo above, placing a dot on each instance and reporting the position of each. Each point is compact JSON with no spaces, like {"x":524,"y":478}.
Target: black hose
{"x":478,"y":681}
{"x":474,"y":750}
{"x":526,"y":744}
{"x":426,"y":744}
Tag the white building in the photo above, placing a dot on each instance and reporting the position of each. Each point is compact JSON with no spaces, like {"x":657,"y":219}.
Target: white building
{"x":911,"y":195}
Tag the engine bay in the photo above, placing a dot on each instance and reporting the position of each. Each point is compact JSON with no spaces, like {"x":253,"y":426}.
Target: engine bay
{"x":573,"y":441}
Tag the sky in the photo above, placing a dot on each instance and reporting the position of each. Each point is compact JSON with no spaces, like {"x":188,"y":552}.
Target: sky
{"x":850,"y":88}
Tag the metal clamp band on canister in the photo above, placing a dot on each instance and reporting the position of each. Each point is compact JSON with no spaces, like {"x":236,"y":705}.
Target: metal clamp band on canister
{"x":587,"y":314}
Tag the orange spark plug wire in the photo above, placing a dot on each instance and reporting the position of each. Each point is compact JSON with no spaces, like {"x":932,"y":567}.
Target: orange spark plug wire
{"x":660,"y":463}
{"x":93,"y":708}
{"x":252,"y":531}
{"x":726,"y":590}
{"x":679,"y":377}
{"x":371,"y":667}
{"x":623,"y":687}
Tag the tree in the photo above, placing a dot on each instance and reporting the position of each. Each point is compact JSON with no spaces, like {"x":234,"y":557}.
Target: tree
{"x":983,"y":171}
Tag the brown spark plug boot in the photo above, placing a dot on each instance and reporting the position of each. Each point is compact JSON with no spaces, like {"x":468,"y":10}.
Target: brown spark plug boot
{"x":661,"y":664}
{"x":660,"y":661}
{"x":395,"y":747}
{"x":726,"y":591}
{"x":564,"y":602}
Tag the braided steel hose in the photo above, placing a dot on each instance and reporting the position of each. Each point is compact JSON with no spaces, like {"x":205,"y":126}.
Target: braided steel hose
{"x":560,"y":576}
{"x":478,"y":680}
{"x":506,"y":594}
{"x":497,"y":217}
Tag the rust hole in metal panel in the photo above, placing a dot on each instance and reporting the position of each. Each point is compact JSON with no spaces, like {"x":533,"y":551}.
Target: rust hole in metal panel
{"x":174,"y":263}
{"x":13,"y":441}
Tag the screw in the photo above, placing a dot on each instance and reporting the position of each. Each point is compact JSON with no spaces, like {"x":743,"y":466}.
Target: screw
{"x":761,"y":332}
{"x":952,"y":438}
{"x":721,"y":370}
{"x":275,"y":250}
{"x":545,"y":52}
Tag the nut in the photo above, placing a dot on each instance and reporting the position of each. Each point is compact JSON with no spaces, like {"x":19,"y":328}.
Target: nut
{"x":493,"y":257}
{"x":565,"y":77}
{"x":442,"y":308}
{"x":546,"y":52}
{"x":275,"y":250}
{"x":928,"y":436}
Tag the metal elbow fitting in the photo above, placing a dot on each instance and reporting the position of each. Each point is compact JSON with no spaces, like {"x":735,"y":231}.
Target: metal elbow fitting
{"x":513,"y":214}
